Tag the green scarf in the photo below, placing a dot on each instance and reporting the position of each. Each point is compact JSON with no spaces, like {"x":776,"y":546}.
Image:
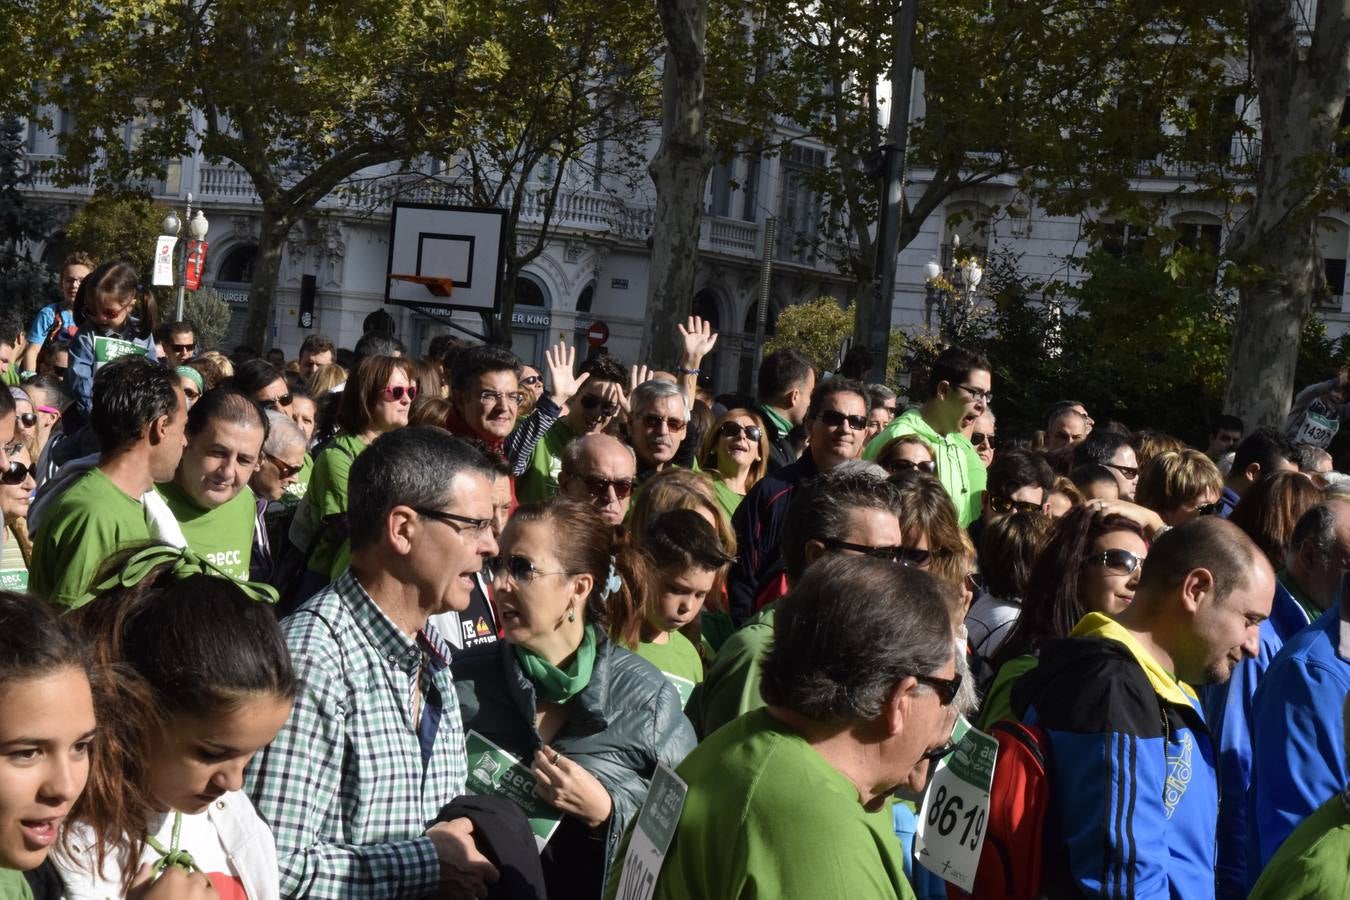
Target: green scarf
{"x":554,"y":685}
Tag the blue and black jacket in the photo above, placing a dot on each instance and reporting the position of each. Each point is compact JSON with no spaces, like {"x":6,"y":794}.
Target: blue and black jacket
{"x":1134,"y":794}
{"x":758,"y":524}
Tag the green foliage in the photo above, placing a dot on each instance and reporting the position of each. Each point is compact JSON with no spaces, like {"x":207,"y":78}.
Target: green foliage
{"x":209,"y":315}
{"x":118,"y":226}
{"x":24,"y":282}
{"x":819,"y":329}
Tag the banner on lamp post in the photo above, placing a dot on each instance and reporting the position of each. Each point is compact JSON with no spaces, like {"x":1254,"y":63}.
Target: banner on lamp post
{"x":163,"y":269}
{"x":196,"y":251}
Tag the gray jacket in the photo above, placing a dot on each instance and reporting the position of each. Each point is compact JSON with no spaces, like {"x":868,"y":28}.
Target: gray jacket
{"x":624,"y":722}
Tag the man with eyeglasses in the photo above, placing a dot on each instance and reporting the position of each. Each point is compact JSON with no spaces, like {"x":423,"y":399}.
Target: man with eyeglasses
{"x":209,"y":495}
{"x":599,"y":470}
{"x":836,"y":422}
{"x":959,"y":387}
{"x":1115,"y":452}
{"x":858,"y":683}
{"x":1133,"y":788}
{"x":283,"y":459}
{"x":658,"y":427}
{"x":374,"y":747}
{"x":590,"y":411}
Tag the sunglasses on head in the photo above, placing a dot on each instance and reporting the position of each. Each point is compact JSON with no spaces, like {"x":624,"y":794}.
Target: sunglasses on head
{"x":734,"y":430}
{"x":591,"y":403}
{"x":1003,"y":505}
{"x":599,"y":487}
{"x":16,"y":473}
{"x":1122,"y":562}
{"x":980,"y":439}
{"x":910,"y":557}
{"x":519,"y":568}
{"x":27,"y":420}
{"x":397,"y":392}
{"x":275,"y":403}
{"x":833,"y":418}
{"x":653,"y":422}
{"x":896,"y":466}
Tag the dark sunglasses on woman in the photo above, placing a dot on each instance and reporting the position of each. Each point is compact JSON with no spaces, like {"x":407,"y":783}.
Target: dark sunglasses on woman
{"x":16,"y":473}
{"x":1121,"y":562}
{"x":1003,"y":505}
{"x":896,"y":466}
{"x":734,"y":430}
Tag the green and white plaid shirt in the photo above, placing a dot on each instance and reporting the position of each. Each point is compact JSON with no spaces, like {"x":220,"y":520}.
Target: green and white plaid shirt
{"x":343,"y":786}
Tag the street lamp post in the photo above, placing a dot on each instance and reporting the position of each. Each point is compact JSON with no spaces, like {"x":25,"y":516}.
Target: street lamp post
{"x":197,"y":228}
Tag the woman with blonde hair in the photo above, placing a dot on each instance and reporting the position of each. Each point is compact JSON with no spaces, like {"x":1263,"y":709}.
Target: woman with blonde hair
{"x":907,"y":453}
{"x":326,"y":378}
{"x":1180,"y":485}
{"x":735,"y":454}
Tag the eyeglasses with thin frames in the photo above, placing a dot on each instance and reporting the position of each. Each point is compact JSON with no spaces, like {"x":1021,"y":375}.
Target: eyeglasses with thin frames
{"x":654,"y":422}
{"x":492,"y":398}
{"x":462,"y":524}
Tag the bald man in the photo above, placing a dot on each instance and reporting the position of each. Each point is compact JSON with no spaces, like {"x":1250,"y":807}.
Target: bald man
{"x":600,"y":470}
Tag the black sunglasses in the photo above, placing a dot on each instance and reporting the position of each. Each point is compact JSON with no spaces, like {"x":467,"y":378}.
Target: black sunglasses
{"x":184,"y":348}
{"x":945,"y":688}
{"x":590,"y":403}
{"x":905,"y":556}
{"x":734,"y":430}
{"x":1130,"y":472}
{"x":277,"y":402}
{"x":834,"y":418}
{"x":1003,"y":505}
{"x":896,"y":466}
{"x":980,"y":439}
{"x":1122,"y":562}
{"x":27,"y":420}
{"x":599,"y":487}
{"x":531,"y":380}
{"x":16,"y":473}
{"x":1209,"y":509}
{"x":519,"y":568}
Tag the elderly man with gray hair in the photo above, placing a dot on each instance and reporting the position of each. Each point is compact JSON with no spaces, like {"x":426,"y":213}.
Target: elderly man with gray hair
{"x":658,"y":427}
{"x":282,"y":460}
{"x":859,"y":684}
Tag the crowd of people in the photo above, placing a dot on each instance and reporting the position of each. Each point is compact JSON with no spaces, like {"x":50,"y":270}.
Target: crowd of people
{"x":370,"y":624}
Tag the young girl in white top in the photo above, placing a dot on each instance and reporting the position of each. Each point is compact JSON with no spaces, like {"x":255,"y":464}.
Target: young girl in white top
{"x":201,"y":680}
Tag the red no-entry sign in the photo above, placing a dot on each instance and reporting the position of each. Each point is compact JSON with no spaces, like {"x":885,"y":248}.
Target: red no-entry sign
{"x":597,"y":334}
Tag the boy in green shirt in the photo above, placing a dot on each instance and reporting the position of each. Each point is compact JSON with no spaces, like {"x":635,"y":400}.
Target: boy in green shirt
{"x":688,"y":561}
{"x":138,"y":414}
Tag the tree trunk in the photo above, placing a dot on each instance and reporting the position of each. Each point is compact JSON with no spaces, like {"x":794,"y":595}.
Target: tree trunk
{"x":680,"y":171}
{"x":266,"y":267}
{"x":1301,"y":95}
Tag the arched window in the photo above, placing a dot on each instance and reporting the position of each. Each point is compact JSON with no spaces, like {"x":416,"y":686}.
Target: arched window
{"x":237,"y":267}
{"x":705,"y":306}
{"x":529,"y":293}
{"x":586,"y":298}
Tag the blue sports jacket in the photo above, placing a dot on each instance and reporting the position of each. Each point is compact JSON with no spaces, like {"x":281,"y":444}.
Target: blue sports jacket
{"x":1298,"y":740}
{"x":1228,"y":710}
{"x":758,"y":524}
{"x":1131,"y":767}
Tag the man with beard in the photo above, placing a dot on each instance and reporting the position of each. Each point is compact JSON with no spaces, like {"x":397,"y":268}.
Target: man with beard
{"x":1134,"y":795}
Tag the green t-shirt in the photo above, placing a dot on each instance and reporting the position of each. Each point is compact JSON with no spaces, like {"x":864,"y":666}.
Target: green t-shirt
{"x":767,"y":816}
{"x":998,"y":701}
{"x":726,"y":497}
{"x":959,"y":467}
{"x":731,"y":686}
{"x":13,"y":374}
{"x":327,"y":496}
{"x":223,"y":536}
{"x":295,"y":493}
{"x":13,"y":886}
{"x":539,"y":481}
{"x":13,"y":570}
{"x":678,"y":660}
{"x":1312,"y":863}
{"x":86,"y":524}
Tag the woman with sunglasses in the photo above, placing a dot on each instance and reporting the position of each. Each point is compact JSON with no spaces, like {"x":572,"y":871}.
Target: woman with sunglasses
{"x":585,"y":719}
{"x":376,"y":400}
{"x":1180,"y":485}
{"x":16,"y":491}
{"x":735,"y":453}
{"x":25,"y":420}
{"x":1091,"y":564}
{"x":907,"y":453}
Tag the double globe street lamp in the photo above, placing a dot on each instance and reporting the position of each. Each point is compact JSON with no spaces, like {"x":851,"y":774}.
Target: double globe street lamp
{"x":194,"y":254}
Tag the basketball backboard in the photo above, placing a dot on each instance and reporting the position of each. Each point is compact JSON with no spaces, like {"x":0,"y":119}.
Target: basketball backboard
{"x":445,"y":257}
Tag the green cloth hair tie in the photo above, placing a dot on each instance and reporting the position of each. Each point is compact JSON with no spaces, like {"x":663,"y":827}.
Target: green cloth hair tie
{"x":191,"y":375}
{"x":172,"y":856}
{"x":554,"y":685}
{"x":185,"y":563}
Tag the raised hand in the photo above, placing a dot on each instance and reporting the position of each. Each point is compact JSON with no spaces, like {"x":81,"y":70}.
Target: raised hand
{"x":699,"y":340}
{"x":563,"y":384}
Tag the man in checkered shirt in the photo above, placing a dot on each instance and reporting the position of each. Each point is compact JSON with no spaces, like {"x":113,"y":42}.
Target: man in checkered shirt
{"x":375,"y":748}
